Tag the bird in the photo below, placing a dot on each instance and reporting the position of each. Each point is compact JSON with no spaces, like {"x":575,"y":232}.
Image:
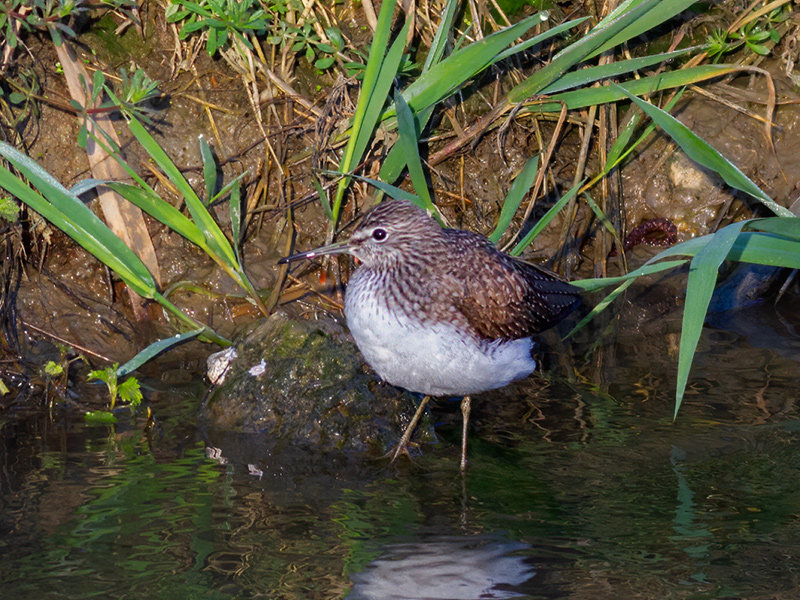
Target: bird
{"x":440,"y":311}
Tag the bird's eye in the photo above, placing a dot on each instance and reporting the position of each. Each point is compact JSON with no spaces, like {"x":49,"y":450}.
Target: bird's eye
{"x":379,"y":234}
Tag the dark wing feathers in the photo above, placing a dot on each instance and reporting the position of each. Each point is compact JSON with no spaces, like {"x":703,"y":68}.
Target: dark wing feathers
{"x":505,"y":298}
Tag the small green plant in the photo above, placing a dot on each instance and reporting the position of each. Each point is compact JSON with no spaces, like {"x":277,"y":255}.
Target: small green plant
{"x":128,"y":391}
{"x":53,"y":369}
{"x":221,"y":20}
{"x":20,"y":17}
{"x":56,"y":373}
{"x":753,"y":35}
{"x":304,"y":39}
{"x":9,"y":210}
{"x":134,"y":92}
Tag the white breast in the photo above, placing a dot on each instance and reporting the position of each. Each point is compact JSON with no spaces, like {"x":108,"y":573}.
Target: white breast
{"x":431,"y":359}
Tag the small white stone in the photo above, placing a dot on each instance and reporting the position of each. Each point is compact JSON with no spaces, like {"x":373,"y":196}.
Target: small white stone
{"x":218,"y":364}
{"x":258,"y":369}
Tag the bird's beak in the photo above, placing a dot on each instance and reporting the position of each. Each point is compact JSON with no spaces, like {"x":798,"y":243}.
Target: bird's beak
{"x":338,"y":248}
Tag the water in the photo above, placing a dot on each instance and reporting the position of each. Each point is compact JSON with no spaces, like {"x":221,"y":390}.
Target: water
{"x":582,"y":489}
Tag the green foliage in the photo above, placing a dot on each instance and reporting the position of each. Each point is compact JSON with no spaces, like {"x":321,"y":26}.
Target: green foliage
{"x":9,"y":210}
{"x":64,"y":209}
{"x":303,"y":38}
{"x":221,"y":20}
{"x":24,"y":16}
{"x":127,"y":391}
{"x":135,"y":91}
{"x":407,"y":67}
{"x":754,"y":35}
{"x":283,"y":22}
{"x":201,"y":229}
{"x":773,"y":241}
{"x":53,"y":369}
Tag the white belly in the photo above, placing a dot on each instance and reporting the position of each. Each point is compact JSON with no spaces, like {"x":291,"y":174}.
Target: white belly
{"x":433,"y":359}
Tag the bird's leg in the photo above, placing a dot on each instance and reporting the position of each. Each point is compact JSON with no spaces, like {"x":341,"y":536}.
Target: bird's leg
{"x":465,"y":406}
{"x":401,"y":445}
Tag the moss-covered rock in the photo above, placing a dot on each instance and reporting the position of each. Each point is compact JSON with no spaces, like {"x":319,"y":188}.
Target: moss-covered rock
{"x":305,"y":383}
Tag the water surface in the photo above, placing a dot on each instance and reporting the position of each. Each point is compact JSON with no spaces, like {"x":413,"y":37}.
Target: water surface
{"x":579,"y":486}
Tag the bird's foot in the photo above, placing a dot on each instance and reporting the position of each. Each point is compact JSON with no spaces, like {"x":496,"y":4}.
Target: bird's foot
{"x":402,"y":445}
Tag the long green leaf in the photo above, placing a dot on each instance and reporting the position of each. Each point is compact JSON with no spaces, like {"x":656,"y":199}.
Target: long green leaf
{"x":155,"y":349}
{"x":372,"y":71}
{"x":701,"y":152}
{"x":394,"y":162}
{"x":584,"y":97}
{"x":66,"y":211}
{"x":449,"y":75}
{"x":766,"y":249}
{"x":379,"y":95}
{"x":538,"y":39}
{"x":662,"y":12}
{"x":544,"y":221}
{"x":218,"y":244}
{"x":409,"y":141}
{"x":589,"y":75}
{"x":522,"y":184}
{"x":577,"y":52}
{"x":439,"y":43}
{"x":699,"y":287}
{"x":159,"y":209}
{"x":598,"y":283}
{"x":388,"y":189}
{"x":786,"y":226}
{"x":621,"y":148}
{"x":209,"y":169}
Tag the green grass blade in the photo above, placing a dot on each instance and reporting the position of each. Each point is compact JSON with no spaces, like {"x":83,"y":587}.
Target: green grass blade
{"x":577,"y":52}
{"x":163,"y":211}
{"x":598,"y":283}
{"x":544,"y":221}
{"x":542,"y":37}
{"x":389,"y":190}
{"x":701,"y":152}
{"x":786,"y":226}
{"x":766,"y":249}
{"x":66,"y":211}
{"x":439,"y":43}
{"x":620,"y":149}
{"x":379,"y":95}
{"x":624,"y":282}
{"x":522,"y":184}
{"x":660,"y":13}
{"x":323,"y":197}
{"x":154,"y":350}
{"x":217,"y":243}
{"x":409,"y":142}
{"x":394,"y":162}
{"x":646,"y":85}
{"x":374,"y":70}
{"x":450,"y":74}
{"x":209,"y":169}
{"x":584,"y":77}
{"x":699,"y":287}
{"x":600,"y":306}
{"x":235,"y":212}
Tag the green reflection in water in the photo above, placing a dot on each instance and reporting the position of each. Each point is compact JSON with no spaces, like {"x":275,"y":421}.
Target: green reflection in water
{"x":145,"y":528}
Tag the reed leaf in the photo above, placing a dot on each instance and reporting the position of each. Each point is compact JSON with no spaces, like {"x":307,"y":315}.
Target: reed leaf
{"x":584,"y":97}
{"x":522,"y":184}
{"x":701,"y":152}
{"x":544,"y":221}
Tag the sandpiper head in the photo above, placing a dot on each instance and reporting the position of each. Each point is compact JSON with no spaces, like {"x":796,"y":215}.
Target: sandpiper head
{"x":385,"y":234}
{"x":390,"y":230}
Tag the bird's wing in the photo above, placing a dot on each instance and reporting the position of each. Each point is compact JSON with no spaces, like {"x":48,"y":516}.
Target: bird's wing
{"x":505,"y":298}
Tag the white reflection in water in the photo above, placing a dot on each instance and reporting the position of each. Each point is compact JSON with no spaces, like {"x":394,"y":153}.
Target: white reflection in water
{"x":452,"y":568}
